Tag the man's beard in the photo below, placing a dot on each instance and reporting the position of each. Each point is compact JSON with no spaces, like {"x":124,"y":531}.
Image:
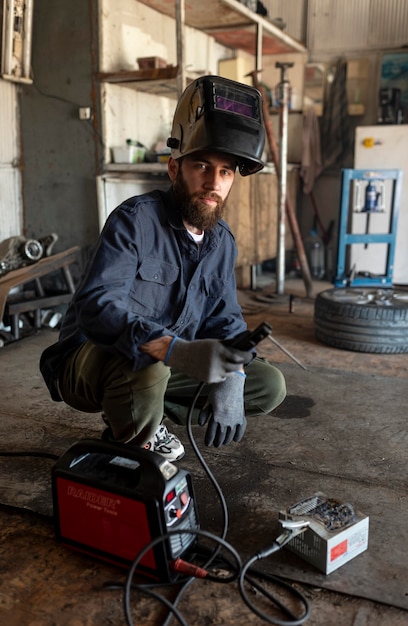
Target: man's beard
{"x":193,"y":210}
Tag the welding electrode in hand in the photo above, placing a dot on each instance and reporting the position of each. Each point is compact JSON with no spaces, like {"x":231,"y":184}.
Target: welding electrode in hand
{"x":251,"y":338}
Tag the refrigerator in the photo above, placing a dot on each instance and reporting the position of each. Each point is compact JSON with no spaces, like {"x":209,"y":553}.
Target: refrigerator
{"x":115,"y":187}
{"x":383,"y":147}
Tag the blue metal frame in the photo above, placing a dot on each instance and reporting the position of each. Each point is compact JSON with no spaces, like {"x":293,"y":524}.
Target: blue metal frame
{"x":347,"y":239}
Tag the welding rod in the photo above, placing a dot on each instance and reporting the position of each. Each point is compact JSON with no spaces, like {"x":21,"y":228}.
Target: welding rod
{"x":285,"y":351}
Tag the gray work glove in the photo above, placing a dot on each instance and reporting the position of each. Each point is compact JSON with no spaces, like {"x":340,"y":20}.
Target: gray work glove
{"x":224,"y":411}
{"x":207,"y":360}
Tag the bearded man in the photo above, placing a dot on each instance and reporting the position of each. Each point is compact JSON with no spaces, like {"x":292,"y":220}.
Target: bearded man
{"x":156,"y":312}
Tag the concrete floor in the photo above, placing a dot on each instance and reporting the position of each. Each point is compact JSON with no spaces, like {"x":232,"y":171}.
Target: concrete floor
{"x":44,"y":584}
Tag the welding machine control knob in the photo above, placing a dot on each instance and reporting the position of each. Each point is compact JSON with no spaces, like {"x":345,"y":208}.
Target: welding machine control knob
{"x":173,"y":512}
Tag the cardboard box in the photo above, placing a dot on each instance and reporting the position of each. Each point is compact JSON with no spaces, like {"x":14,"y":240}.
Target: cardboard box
{"x":336,"y":534}
{"x":150,"y":63}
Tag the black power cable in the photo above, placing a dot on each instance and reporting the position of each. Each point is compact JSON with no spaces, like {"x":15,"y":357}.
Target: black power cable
{"x":248,"y":569}
{"x":148,"y":589}
{"x":245,"y":573}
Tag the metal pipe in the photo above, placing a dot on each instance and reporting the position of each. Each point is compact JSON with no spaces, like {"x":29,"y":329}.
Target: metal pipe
{"x":180,"y":34}
{"x":253,"y":277}
{"x":282,"y":191}
{"x":28,"y":31}
{"x":291,"y":214}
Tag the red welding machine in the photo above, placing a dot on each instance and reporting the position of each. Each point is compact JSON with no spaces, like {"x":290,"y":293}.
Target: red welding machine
{"x":112,"y":500}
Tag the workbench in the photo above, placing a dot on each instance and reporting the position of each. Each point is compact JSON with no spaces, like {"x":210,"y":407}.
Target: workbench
{"x":15,"y":302}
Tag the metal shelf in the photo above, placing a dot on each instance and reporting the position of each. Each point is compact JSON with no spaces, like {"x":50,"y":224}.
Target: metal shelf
{"x":159,"y":81}
{"x":136,"y":168}
{"x":232,"y":24}
{"x":229,"y":22}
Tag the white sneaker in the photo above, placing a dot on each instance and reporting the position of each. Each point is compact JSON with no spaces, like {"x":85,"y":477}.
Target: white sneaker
{"x":166,"y":444}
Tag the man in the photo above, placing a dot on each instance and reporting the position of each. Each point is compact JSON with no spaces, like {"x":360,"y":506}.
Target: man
{"x":156,"y":311}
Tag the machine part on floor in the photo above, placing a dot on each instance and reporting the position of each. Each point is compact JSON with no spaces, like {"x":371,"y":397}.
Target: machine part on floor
{"x":363,"y":320}
{"x":16,"y":252}
{"x":350,"y":235}
{"x":290,"y":211}
{"x":336,"y":532}
{"x":110,"y":500}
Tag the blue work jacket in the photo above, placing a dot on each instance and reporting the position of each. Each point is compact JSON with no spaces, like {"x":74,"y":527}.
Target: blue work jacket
{"x":148,"y":278}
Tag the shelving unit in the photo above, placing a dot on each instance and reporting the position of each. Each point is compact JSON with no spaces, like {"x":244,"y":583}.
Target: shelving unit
{"x":159,"y":81}
{"x":229,"y":22}
{"x":232,"y":25}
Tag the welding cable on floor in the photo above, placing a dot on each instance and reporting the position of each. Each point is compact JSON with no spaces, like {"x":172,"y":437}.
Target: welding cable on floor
{"x":199,"y":572}
{"x":248,"y":566}
{"x":244,"y":577}
{"x":246,"y":573}
{"x":219,"y":541}
{"x":204,"y":465}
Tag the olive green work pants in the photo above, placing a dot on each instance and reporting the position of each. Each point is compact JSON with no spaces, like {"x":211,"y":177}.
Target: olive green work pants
{"x":133,"y":403}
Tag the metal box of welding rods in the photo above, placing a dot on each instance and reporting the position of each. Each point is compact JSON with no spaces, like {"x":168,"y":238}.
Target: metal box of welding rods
{"x":336,"y":533}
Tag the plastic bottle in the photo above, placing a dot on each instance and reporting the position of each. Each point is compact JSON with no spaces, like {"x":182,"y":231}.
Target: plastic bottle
{"x":314,"y":249}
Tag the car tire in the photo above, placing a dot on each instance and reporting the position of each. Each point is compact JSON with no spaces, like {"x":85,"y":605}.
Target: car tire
{"x":363,"y":319}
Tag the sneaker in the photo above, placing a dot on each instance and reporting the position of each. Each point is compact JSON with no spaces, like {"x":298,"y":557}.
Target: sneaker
{"x":166,"y":444}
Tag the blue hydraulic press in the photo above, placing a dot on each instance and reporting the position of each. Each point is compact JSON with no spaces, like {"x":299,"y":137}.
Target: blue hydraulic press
{"x":369,"y":192}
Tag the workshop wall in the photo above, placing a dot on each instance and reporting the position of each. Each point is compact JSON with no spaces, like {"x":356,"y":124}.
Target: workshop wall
{"x":130,"y":30}
{"x":359,"y":31}
{"x":60,"y":151}
{"x":62,"y":155}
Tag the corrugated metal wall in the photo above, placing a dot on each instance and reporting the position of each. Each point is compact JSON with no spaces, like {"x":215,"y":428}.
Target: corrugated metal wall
{"x":293,"y":12}
{"x":333,"y":26}
{"x":10,"y":180}
{"x":388,"y":23}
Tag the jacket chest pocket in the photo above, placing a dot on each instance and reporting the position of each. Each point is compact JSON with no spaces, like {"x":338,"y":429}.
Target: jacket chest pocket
{"x":154,"y":286}
{"x":214,"y":286}
{"x":158,"y":272}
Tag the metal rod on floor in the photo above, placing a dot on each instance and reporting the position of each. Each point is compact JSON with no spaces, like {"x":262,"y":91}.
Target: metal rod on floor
{"x":290,"y":355}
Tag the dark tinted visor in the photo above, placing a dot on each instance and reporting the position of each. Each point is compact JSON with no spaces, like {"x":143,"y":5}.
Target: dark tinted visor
{"x":230,"y":99}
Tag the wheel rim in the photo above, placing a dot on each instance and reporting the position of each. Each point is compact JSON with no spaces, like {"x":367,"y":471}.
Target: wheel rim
{"x":368,"y":296}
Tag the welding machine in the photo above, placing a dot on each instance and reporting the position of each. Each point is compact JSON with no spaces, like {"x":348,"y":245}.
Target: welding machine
{"x":112,"y":500}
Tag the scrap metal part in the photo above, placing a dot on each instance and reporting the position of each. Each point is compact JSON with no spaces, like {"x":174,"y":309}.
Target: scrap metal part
{"x":17,"y":252}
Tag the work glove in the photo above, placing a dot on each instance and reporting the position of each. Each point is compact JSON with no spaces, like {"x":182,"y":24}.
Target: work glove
{"x":224,"y":412}
{"x":207,"y":360}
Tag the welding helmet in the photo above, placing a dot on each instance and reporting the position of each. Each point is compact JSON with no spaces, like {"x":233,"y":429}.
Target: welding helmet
{"x":220,"y":115}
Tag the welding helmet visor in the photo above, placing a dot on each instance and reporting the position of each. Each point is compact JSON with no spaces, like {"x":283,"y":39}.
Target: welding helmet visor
{"x":221,"y":115}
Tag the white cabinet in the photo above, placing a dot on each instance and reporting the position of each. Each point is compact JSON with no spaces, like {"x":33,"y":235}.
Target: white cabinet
{"x":387,"y":149}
